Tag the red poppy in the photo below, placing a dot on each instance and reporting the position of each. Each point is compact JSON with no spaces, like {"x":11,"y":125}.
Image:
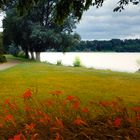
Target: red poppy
{"x":70,"y":98}
{"x":30,"y":127}
{"x":1,"y":125}
{"x":76,"y":105}
{"x":19,"y":137}
{"x":79,"y":121}
{"x":9,"y":117}
{"x":138,"y":117}
{"x":7,"y":102}
{"x":59,"y":123}
{"x":85,"y":110}
{"x":136,"y":109}
{"x":105,"y":103}
{"x":57,"y":136}
{"x":27,"y":94}
{"x":117,"y":122}
{"x":27,"y":108}
{"x":47,"y":117}
{"x":49,"y":103}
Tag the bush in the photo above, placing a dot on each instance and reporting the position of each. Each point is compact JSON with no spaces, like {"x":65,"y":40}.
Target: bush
{"x":14,"y":50}
{"x":2,"y":59}
{"x":68,"y":119}
{"x":77,"y":62}
{"x":59,"y":62}
{"x":21,"y":54}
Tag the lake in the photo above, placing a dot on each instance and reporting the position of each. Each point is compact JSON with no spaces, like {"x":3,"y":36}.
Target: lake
{"x":124,"y":62}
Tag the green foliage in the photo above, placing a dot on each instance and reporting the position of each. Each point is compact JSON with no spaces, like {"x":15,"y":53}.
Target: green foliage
{"x":37,"y":31}
{"x":2,"y":59}
{"x":77,"y":62}
{"x":113,"y":45}
{"x":21,"y":54}
{"x":64,"y":8}
{"x":14,"y":50}
{"x":59,"y":62}
{"x":1,"y":43}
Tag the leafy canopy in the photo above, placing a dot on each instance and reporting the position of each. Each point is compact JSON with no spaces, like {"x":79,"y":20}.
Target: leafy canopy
{"x":66,"y":7}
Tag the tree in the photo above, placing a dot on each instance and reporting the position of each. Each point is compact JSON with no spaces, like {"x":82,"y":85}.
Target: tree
{"x":65,"y":7}
{"x":1,"y":43}
{"x":38,"y":31}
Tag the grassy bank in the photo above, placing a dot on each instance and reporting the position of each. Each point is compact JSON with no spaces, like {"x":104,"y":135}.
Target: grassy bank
{"x":84,"y":83}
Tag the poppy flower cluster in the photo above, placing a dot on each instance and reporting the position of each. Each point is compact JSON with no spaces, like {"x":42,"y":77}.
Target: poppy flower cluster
{"x":67,"y":118}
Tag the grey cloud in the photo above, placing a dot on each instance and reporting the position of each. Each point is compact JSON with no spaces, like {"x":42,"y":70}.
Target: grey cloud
{"x":103,"y":23}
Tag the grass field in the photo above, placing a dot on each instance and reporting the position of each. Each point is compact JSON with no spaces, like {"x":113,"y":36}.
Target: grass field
{"x":25,"y":113}
{"x":84,"y":83}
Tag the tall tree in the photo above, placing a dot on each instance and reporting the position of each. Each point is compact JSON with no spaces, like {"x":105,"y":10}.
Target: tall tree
{"x":38,"y":31}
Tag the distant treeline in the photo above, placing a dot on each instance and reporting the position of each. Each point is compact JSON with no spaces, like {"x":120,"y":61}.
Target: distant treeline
{"x":114,"y":45}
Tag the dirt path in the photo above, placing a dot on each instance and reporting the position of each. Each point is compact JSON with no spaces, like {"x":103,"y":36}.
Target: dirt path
{"x":9,"y":64}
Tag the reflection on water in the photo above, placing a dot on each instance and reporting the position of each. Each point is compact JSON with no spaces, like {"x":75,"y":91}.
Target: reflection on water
{"x":127,"y":62}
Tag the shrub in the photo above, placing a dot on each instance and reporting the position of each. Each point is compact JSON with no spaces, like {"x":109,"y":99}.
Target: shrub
{"x":21,"y":54}
{"x":2,"y":59}
{"x":59,"y":62}
{"x":14,"y":50}
{"x":66,"y":118}
{"x":77,"y":62}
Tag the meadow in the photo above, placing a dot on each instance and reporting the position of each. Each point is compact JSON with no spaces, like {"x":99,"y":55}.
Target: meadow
{"x":82,"y":82}
{"x":40,"y":101}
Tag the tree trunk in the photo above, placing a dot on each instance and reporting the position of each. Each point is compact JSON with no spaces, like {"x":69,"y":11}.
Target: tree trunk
{"x":37,"y":56}
{"x":32,"y":55}
{"x":26,"y":53}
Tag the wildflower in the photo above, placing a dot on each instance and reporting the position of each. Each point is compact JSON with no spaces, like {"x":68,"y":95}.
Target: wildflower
{"x":47,"y":117}
{"x":53,"y":129}
{"x":9,"y":117}
{"x":59,"y":123}
{"x":105,"y":103}
{"x":27,"y":108}
{"x":30,"y":127}
{"x":6,"y":101}
{"x":56,"y":92}
{"x":34,"y":136}
{"x":117,"y":122}
{"x":76,"y":105}
{"x":1,"y":125}
{"x":114,"y":104}
{"x":136,"y":109}
{"x":79,"y":121}
{"x":138,"y":116}
{"x":19,"y":137}
{"x":27,"y":94}
{"x":49,"y":103}
{"x":57,"y":136}
{"x":85,"y":110}
{"x":64,"y":102}
{"x":70,"y":98}
{"x":129,"y":120}
{"x":42,"y":120}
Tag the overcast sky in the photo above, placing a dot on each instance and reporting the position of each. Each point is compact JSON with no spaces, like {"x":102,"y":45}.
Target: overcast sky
{"x":103,"y":23}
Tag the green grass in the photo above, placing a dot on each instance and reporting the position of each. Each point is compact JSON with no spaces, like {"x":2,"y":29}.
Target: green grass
{"x":84,"y":83}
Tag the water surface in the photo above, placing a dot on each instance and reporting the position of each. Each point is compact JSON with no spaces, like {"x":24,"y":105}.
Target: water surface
{"x":124,"y":62}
